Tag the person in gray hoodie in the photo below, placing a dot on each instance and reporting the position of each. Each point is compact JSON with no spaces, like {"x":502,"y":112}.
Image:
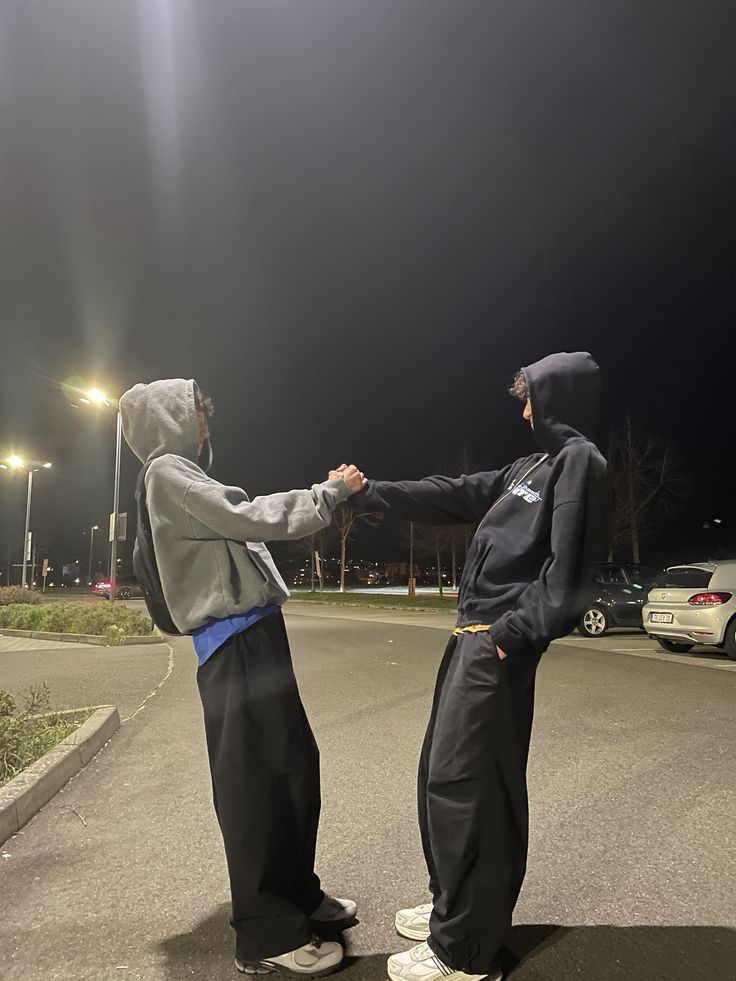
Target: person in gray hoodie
{"x":222,"y":586}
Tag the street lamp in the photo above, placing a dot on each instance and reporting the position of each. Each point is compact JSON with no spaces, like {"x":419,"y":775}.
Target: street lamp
{"x":16,"y":462}
{"x":92,"y":530}
{"x":93,"y":396}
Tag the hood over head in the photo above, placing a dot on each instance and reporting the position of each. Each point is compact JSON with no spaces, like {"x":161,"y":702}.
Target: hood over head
{"x":564,"y":390}
{"x":161,"y":418}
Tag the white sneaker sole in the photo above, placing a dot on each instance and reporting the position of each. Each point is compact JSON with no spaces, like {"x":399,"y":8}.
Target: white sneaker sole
{"x":455,"y":976}
{"x":260,"y":969}
{"x":412,"y":933}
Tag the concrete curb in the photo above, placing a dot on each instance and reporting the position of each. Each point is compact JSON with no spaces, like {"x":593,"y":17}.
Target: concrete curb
{"x":27,"y":793}
{"x":96,"y":639}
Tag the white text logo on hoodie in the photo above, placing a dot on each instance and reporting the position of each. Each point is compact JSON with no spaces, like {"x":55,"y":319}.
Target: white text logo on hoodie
{"x":525,"y":492}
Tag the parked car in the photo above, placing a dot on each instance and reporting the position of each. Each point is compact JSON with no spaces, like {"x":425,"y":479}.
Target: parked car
{"x":694,"y":604}
{"x":126,"y":588}
{"x":622,"y":590}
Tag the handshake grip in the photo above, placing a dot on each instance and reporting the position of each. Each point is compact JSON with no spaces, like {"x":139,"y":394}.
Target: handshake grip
{"x":354,"y":478}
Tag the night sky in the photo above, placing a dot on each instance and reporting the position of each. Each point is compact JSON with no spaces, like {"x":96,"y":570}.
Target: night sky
{"x":351,"y":222}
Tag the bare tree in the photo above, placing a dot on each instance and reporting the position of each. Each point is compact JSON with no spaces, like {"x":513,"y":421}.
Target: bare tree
{"x":306,"y":549}
{"x":644,"y":483}
{"x":432,"y":541}
{"x":459,"y":539}
{"x":345,"y":521}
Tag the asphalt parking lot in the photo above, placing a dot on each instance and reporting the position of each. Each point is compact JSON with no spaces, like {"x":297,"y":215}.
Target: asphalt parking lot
{"x":632,"y":789}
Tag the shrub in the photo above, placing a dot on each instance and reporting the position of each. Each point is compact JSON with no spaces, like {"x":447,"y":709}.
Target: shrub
{"x":114,"y":622}
{"x":25,"y":736}
{"x":16,"y":594}
{"x":115,"y":635}
{"x":20,"y":616}
{"x":56,"y":616}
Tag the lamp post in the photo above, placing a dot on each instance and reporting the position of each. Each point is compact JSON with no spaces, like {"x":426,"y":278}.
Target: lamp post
{"x":19,"y":463}
{"x":94,"y":396}
{"x":115,"y":507}
{"x":92,"y":530}
{"x":412,"y":580}
{"x":27,"y":532}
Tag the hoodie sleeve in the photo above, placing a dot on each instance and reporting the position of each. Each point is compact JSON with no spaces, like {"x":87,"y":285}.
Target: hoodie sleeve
{"x":549,"y":607}
{"x":274,"y":517}
{"x":435,"y":500}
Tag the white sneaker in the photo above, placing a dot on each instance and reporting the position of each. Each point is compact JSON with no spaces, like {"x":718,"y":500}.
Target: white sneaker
{"x":333,"y":910}
{"x":421,"y":964}
{"x":313,"y":960}
{"x":414,"y":923}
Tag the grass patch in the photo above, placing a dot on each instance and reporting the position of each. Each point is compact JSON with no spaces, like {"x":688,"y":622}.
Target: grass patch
{"x":379,"y":601}
{"x":25,"y":735}
{"x":115,"y":622}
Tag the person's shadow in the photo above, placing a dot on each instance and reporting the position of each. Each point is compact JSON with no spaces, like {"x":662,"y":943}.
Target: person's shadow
{"x":533,"y":953}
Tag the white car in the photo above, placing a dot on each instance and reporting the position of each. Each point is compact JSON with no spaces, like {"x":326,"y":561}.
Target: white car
{"x":696,"y":605}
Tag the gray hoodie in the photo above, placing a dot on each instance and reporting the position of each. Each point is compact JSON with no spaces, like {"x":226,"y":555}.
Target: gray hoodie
{"x":208,"y":537}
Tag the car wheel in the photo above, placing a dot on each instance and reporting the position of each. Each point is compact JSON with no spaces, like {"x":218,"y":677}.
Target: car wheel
{"x":593,"y":622}
{"x":123,"y":593}
{"x":729,"y":641}
{"x":674,"y":646}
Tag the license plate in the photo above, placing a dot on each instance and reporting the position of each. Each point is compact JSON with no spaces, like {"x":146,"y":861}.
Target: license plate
{"x":661,"y":617}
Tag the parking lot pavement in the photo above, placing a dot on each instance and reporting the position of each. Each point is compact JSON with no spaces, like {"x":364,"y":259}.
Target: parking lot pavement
{"x":632,"y":783}
{"x":439,"y":620}
{"x":82,"y":674}
{"x":633,"y":642}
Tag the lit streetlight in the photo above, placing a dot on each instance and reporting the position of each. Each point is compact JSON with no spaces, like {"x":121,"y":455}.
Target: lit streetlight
{"x":15,"y":462}
{"x":92,"y":530}
{"x":95,"y":397}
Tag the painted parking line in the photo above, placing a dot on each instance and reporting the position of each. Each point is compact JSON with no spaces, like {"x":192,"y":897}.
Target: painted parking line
{"x":626,"y":650}
{"x":691,"y":662}
{"x":654,"y":652}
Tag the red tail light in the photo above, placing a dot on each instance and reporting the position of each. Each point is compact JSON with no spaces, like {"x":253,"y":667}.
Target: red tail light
{"x":709,"y":599}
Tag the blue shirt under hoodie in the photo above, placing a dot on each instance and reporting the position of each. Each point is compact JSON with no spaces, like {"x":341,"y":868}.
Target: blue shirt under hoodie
{"x":212,"y":635}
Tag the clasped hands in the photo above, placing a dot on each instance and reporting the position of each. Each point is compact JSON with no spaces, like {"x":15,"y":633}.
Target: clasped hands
{"x":356,"y":481}
{"x":354,"y":478}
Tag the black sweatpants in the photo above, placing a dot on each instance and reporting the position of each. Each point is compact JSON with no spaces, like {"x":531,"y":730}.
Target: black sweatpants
{"x":265,"y":778}
{"x":473,"y":807}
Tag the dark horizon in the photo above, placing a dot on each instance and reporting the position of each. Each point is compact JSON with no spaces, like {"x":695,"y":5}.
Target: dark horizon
{"x":352,"y":224}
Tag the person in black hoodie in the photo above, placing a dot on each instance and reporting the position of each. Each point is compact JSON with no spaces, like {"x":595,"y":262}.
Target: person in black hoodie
{"x":527,"y":576}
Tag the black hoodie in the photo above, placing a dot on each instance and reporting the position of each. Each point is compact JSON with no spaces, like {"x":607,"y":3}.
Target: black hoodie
{"x":529,"y":570}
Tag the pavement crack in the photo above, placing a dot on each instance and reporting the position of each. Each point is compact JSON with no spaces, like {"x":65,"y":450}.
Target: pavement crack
{"x":159,"y":686}
{"x":75,"y":811}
